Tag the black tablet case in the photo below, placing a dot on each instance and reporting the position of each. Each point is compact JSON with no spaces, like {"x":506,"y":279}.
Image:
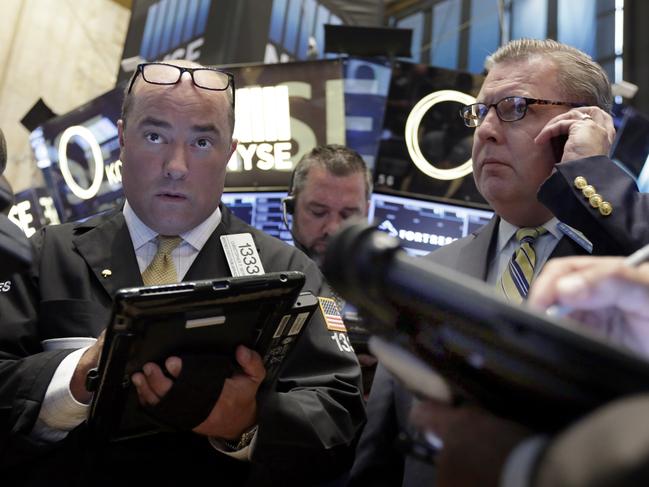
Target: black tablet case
{"x":266,"y":313}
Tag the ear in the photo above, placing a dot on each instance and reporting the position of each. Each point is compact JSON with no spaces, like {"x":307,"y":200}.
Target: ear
{"x":120,"y":133}
{"x":233,"y":147}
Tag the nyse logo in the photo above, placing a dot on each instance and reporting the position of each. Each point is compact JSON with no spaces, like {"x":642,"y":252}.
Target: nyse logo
{"x":263,"y":129}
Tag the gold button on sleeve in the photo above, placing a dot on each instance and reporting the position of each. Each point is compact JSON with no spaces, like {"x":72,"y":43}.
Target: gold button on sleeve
{"x":580,"y":182}
{"x":595,"y":200}
{"x":589,"y":191}
{"x":605,"y":208}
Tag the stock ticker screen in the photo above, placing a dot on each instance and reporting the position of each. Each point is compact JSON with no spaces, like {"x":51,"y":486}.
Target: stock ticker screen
{"x":424,"y":225}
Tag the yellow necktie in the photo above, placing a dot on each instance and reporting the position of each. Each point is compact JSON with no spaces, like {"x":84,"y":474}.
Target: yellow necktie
{"x":516,"y":278}
{"x":161,"y":270}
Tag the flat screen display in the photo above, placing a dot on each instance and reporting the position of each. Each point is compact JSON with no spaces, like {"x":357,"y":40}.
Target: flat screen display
{"x":424,"y":225}
{"x":261,"y":209}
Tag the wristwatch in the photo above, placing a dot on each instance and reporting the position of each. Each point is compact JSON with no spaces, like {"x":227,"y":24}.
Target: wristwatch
{"x":243,"y":441}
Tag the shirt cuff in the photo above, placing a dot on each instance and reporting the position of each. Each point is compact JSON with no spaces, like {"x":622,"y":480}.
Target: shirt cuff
{"x":520,"y":463}
{"x":244,"y":454}
{"x":60,"y":412}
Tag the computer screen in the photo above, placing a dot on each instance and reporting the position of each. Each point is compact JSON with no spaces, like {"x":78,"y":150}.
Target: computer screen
{"x":424,"y":225}
{"x":261,"y":209}
{"x":421,"y":224}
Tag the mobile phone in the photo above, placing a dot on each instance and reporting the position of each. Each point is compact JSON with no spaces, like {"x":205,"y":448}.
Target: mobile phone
{"x":558,"y":143}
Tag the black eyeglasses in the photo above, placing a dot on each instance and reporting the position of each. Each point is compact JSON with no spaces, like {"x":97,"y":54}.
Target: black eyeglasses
{"x":509,"y":109}
{"x":169,"y":74}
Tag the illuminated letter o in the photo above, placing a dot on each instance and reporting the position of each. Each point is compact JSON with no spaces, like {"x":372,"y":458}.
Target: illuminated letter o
{"x":412,"y":136}
{"x":98,"y":159}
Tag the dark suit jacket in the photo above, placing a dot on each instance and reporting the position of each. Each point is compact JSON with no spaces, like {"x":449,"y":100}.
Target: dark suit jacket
{"x":378,"y":462}
{"x":309,"y":418}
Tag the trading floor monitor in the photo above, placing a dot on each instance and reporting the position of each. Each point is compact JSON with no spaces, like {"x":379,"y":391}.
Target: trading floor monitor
{"x":261,"y":209}
{"x":423,"y":224}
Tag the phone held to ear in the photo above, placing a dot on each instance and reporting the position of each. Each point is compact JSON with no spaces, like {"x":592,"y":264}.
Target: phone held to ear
{"x":558,"y":143}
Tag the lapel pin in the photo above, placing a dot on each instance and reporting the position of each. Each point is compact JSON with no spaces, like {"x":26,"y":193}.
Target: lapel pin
{"x":106,"y":273}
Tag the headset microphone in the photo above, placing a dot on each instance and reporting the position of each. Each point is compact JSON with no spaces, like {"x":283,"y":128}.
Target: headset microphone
{"x":288,"y":207}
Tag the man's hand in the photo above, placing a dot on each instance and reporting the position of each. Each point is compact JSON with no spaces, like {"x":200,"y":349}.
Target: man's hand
{"x":590,"y":132}
{"x":476,"y":444}
{"x":89,"y":360}
{"x":606,"y":295}
{"x":236,"y":409}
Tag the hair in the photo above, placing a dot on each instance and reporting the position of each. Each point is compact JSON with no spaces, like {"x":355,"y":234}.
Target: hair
{"x":580,"y":78}
{"x":337,"y":159}
{"x":129,"y":97}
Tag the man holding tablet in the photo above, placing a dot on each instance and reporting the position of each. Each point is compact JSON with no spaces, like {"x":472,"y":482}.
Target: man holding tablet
{"x":176,"y":140}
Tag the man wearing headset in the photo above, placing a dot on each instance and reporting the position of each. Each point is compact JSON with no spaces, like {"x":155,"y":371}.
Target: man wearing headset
{"x":329,"y":185}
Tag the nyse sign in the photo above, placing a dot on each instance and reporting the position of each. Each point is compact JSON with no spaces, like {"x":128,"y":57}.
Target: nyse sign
{"x":269,"y":137}
{"x":282,"y":112}
{"x":263,"y":129}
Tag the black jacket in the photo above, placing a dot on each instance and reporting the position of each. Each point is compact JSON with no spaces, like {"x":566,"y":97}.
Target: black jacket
{"x":307,"y":424}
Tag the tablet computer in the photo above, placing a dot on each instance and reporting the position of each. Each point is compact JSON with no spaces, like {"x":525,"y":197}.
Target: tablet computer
{"x":266,"y":313}
{"x":541,"y":370}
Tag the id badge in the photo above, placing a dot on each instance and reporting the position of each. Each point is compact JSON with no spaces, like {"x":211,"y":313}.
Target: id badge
{"x":241,"y":254}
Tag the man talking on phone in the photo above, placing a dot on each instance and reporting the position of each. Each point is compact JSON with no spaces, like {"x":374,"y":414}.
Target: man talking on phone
{"x":542,"y":137}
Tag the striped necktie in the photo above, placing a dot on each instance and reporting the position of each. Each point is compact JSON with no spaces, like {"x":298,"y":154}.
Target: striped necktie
{"x":516,"y":278}
{"x":162,"y":270}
